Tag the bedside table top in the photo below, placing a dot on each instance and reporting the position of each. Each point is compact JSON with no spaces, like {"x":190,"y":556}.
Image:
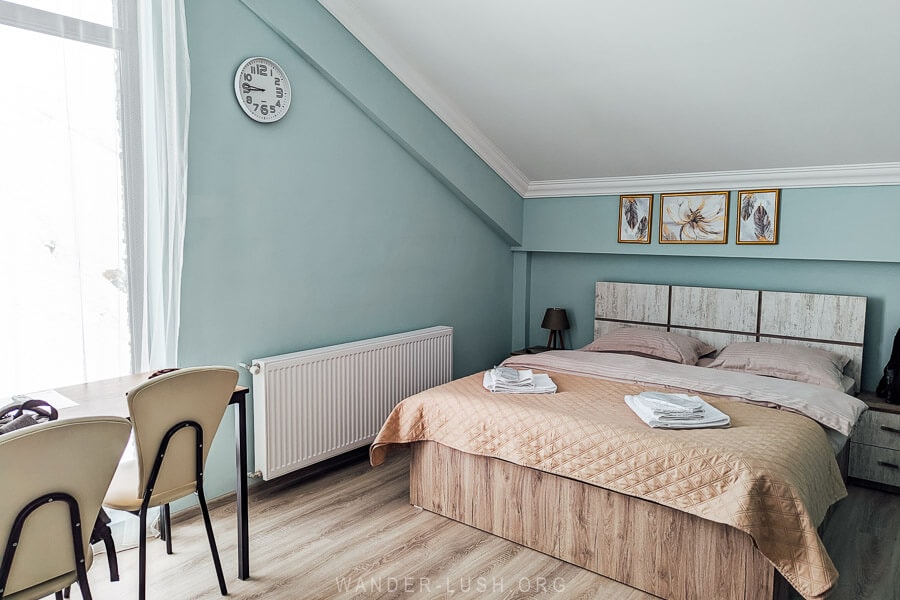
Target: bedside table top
{"x":876,"y":403}
{"x":529,"y":350}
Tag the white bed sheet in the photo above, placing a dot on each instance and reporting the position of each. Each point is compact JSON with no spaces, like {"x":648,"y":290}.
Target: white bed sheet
{"x":837,"y":439}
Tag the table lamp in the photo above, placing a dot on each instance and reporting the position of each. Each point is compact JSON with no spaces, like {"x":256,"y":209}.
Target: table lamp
{"x":556,"y":321}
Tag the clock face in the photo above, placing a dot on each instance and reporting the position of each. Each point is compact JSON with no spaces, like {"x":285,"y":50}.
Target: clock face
{"x":262,"y":89}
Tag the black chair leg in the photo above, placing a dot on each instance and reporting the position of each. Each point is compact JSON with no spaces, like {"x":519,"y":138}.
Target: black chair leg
{"x":111,"y":558}
{"x":67,"y":591}
{"x":59,"y":595}
{"x":102,"y":533}
{"x":166,"y":528}
{"x":212,"y":541}
{"x":142,"y":555}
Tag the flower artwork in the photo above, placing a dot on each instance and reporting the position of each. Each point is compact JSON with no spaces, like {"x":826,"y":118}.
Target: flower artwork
{"x":694,"y":218}
{"x":635,"y":218}
{"x":758,"y":216}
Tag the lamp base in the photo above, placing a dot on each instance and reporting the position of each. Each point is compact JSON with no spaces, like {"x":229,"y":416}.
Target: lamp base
{"x":555,"y":336}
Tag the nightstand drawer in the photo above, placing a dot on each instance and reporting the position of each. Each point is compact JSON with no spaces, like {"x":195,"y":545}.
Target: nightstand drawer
{"x":875,"y":464}
{"x":878,"y":428}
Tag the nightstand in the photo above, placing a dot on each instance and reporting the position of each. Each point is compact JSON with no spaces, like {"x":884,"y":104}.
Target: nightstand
{"x":529,"y":350}
{"x":875,"y":445}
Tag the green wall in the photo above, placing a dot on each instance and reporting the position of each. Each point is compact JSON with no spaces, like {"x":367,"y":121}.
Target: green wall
{"x":831,"y":240}
{"x":328,"y":226}
{"x":841,"y":223}
{"x":361,"y":214}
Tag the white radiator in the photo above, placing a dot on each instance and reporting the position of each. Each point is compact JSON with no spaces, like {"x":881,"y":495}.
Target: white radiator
{"x":315,"y":404}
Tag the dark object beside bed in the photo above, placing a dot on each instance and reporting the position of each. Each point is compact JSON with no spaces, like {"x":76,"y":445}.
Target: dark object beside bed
{"x":889,"y":386}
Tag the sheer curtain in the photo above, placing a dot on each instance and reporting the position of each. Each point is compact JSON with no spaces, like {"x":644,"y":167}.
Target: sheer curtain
{"x":156,"y":138}
{"x":164,"y":75}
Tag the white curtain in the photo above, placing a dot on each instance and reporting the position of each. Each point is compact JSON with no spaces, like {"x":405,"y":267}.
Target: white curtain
{"x":156,"y":213}
{"x":165,"y":99}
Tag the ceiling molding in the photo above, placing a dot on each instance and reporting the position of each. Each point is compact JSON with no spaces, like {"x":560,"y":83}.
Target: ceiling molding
{"x":801,"y":177}
{"x":446,"y":111}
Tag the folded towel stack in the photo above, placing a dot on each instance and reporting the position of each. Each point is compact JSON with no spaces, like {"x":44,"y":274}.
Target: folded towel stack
{"x":507,"y":380}
{"x":676,"y":411}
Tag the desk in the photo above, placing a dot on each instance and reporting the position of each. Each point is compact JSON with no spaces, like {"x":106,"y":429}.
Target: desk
{"x":107,"y":397}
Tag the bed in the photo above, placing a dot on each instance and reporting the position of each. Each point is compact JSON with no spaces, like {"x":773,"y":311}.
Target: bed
{"x":736,"y":518}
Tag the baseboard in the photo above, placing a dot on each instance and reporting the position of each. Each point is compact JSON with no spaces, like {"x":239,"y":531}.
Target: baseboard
{"x":259,"y":487}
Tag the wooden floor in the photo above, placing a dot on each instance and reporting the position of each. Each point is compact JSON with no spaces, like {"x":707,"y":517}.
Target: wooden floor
{"x":351,"y":534}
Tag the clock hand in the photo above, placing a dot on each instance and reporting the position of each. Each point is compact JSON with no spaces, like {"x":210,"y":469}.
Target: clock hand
{"x":252,"y":88}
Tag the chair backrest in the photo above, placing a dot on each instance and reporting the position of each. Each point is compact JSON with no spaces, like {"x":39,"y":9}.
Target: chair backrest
{"x":199,"y":394}
{"x":72,"y":456}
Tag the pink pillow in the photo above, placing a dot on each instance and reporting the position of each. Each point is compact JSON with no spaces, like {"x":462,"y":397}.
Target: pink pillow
{"x":665,"y":345}
{"x":797,"y":363}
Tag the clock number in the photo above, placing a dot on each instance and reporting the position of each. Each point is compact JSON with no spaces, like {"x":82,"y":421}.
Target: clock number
{"x":279,"y":93}
{"x":262,"y":69}
{"x":255,"y":107}
{"x":264,"y":110}
{"x":277,"y":81}
{"x":278,"y":104}
{"x":249,"y":99}
{"x":248,"y":77}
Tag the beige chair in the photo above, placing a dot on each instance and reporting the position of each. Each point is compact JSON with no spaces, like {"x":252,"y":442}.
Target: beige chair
{"x":175,"y":417}
{"x":53,"y":477}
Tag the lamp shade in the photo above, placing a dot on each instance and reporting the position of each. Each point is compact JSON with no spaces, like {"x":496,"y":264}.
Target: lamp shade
{"x":555,"y":319}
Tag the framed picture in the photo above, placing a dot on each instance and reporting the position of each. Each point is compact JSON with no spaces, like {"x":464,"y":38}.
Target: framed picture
{"x":635,"y":218}
{"x":693,"y":218}
{"x":758,"y":216}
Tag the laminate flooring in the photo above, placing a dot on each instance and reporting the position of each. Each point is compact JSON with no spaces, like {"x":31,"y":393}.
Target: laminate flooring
{"x":350,"y":533}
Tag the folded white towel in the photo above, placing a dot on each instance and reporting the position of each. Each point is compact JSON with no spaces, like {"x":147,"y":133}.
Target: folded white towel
{"x":674,"y":404}
{"x":500,"y":380}
{"x":709,"y":416}
{"x":510,"y":377}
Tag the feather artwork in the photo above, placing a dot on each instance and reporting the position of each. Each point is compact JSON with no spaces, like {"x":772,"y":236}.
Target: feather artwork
{"x":747,"y":207}
{"x":762,"y":224}
{"x":631,"y":213}
{"x":642,"y":228}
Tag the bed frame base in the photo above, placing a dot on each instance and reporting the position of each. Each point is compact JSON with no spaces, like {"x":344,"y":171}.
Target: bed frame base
{"x":660,"y":550}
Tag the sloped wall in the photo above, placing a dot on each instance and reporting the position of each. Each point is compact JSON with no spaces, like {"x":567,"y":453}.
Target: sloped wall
{"x":329,"y":225}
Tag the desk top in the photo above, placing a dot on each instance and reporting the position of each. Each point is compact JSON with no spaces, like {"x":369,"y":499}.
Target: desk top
{"x":106,"y":397}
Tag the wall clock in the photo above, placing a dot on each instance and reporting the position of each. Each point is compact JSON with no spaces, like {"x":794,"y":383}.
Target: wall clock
{"x":262,"y":89}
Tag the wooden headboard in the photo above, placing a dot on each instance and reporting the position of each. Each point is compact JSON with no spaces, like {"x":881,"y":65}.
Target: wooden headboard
{"x":722,"y":316}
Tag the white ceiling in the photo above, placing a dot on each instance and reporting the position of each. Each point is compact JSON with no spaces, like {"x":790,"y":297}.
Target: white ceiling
{"x":575,"y":97}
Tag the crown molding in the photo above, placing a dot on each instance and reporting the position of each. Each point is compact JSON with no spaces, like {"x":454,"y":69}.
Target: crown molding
{"x":801,"y":177}
{"x":445,"y":110}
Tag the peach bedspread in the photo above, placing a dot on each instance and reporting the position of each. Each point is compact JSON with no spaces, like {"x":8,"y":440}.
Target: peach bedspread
{"x":771,"y":474}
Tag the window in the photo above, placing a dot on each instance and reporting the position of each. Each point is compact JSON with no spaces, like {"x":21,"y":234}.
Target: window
{"x":64,"y":306}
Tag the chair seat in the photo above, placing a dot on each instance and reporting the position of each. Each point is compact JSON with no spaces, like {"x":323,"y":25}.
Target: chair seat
{"x":122,"y":493}
{"x":51,"y":586}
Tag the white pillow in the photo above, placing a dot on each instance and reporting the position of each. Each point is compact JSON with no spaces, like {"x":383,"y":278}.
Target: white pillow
{"x":784,"y":361}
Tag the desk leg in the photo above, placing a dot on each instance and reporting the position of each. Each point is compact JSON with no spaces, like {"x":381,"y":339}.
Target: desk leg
{"x":243,"y":521}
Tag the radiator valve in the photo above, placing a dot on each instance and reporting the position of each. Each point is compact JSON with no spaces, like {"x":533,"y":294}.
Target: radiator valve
{"x":254,"y":368}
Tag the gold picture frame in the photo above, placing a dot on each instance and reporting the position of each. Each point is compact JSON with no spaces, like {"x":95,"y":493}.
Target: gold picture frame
{"x":757,"y":218}
{"x":694,"y":218}
{"x":635,"y":218}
